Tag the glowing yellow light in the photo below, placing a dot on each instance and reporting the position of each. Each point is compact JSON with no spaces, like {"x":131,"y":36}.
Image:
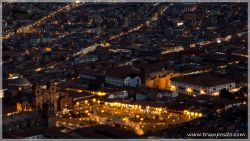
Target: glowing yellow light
{"x":47,"y":49}
{"x":235,"y":89}
{"x":101,"y":93}
{"x":105,"y":45}
{"x":180,"y":23}
{"x":185,"y":111}
{"x":125,"y":119}
{"x":202,"y":92}
{"x":228,"y":37}
{"x":218,"y":40}
{"x":86,"y":101}
{"x":215,"y":94}
{"x":79,"y":91}
{"x":38,"y":69}
{"x":196,"y":114}
{"x":200,"y":114}
{"x":137,"y":116}
{"x":135,"y":106}
{"x":173,"y":88}
{"x":19,"y":107}
{"x":189,"y":90}
{"x":192,"y":45}
{"x":94,"y":100}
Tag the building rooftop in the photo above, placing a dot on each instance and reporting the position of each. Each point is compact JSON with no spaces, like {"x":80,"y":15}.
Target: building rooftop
{"x":202,"y":80}
{"x":122,"y":72}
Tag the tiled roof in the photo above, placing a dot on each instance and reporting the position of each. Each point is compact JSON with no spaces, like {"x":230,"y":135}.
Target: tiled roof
{"x":202,"y":80}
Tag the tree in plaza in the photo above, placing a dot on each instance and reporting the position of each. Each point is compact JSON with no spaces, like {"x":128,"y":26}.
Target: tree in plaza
{"x":225,"y":93}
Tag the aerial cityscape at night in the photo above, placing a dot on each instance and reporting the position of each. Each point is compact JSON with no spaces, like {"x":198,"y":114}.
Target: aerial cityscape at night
{"x":86,"y":70}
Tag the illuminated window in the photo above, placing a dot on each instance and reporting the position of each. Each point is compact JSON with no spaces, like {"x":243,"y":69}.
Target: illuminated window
{"x":173,"y":88}
{"x":189,"y":90}
{"x":202,"y":92}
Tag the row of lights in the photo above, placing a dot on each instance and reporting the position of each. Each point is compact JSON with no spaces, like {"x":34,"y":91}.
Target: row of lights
{"x":192,"y":114}
{"x":188,"y":90}
{"x":137,"y":107}
{"x":92,"y":92}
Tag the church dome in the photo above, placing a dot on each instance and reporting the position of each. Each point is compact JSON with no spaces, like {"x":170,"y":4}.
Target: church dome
{"x":20,"y":82}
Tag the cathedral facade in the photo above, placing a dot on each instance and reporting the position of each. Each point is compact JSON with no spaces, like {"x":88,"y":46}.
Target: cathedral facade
{"x":40,"y":94}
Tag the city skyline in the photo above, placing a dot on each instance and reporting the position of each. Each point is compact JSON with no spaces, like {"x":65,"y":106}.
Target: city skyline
{"x":125,"y":70}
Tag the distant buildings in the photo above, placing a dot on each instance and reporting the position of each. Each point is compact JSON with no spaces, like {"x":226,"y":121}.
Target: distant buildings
{"x":36,"y":106}
{"x":121,"y":57}
{"x":25,"y":120}
{"x":131,"y":80}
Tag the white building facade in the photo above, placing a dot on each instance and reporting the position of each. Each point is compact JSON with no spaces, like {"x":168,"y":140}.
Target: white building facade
{"x":195,"y":87}
{"x":131,"y":81}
